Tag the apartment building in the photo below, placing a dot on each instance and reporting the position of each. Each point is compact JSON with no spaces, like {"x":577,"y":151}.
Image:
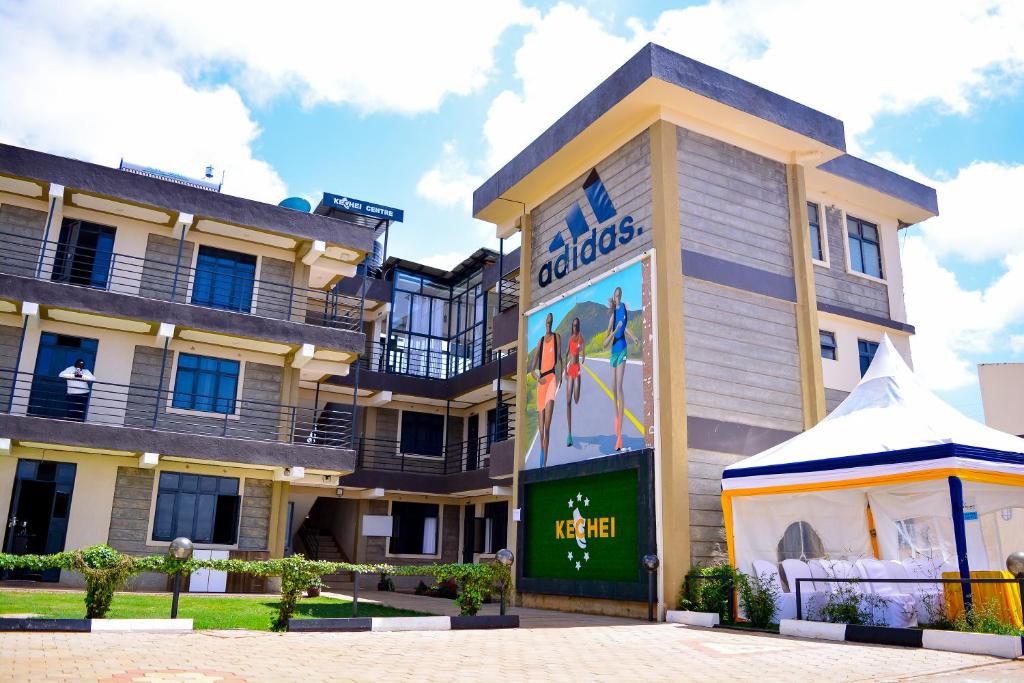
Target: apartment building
{"x":728,"y":269}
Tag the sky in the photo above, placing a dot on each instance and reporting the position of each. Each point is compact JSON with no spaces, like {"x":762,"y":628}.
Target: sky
{"x":414,"y":104}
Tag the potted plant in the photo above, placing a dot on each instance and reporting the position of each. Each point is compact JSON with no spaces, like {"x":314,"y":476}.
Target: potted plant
{"x":385,"y":583}
{"x":314,"y":587}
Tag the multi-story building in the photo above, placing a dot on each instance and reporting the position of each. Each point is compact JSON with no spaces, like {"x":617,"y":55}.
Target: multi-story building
{"x":746,"y":268}
{"x":703,"y":272}
{"x":179,"y":362}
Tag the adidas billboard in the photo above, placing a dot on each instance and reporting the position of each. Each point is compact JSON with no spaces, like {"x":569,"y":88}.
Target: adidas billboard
{"x":587,"y":243}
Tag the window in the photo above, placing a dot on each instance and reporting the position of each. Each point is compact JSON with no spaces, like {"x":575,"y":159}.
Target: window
{"x":866,"y":349}
{"x":828,"y":344}
{"x":865,"y":249}
{"x":492,"y":533}
{"x":413,"y":529}
{"x":814,"y":224}
{"x":918,"y":537}
{"x":422,"y":433}
{"x":800,"y":542}
{"x":199,"y":507}
{"x":224,"y":279}
{"x":84,"y":254}
{"x":204,"y":383}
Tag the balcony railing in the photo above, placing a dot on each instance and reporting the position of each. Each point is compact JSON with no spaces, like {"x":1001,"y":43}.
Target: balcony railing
{"x":168,"y":281}
{"x":431,"y":363}
{"x":131,"y":405}
{"x":508,"y":292}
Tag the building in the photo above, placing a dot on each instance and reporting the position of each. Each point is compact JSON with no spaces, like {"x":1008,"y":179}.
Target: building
{"x":761,"y":266}
{"x":223,"y":344}
{"x":715,"y":270}
{"x":1000,"y":396}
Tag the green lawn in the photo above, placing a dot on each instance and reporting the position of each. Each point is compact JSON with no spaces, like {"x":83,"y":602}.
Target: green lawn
{"x":255,"y":613}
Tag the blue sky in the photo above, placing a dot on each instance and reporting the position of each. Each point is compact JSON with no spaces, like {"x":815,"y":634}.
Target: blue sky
{"x":414,"y":104}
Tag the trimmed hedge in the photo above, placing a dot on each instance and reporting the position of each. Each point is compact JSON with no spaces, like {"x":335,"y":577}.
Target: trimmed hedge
{"x":106,"y":570}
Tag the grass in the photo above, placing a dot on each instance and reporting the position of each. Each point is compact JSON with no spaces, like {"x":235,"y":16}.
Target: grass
{"x":207,"y":612}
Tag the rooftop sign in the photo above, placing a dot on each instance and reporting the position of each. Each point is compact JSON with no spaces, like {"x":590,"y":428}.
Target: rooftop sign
{"x":358,"y":206}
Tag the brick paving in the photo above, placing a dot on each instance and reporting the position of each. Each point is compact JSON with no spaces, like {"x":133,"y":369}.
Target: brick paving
{"x":634,"y":651}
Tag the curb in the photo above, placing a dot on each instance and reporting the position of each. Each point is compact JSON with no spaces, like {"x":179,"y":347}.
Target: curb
{"x":1007,"y":647}
{"x":8,"y":624}
{"x":384,"y":624}
{"x":702,"y":619}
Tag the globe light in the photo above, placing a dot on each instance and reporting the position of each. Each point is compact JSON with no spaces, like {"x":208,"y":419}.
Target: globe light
{"x":651,"y":562}
{"x":1015,"y":564}
{"x":505,"y":557}
{"x":180,"y":549}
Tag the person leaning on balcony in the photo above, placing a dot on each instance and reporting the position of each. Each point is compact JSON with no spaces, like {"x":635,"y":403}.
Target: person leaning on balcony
{"x":79,"y":381}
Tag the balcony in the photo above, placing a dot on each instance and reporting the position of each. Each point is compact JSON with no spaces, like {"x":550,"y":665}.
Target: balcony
{"x":444,"y":362}
{"x":137,"y":418}
{"x":201,"y":298}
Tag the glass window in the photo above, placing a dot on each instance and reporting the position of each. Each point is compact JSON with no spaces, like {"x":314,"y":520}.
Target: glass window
{"x":866,"y":350}
{"x":407,"y":282}
{"x":413,"y":529}
{"x":204,"y":383}
{"x":495,"y":530}
{"x":800,"y":542}
{"x":224,"y":279}
{"x":422,"y":433}
{"x":401,"y":316}
{"x":202,"y":508}
{"x":865,"y":249}
{"x":814,"y":224}
{"x":828,"y":344}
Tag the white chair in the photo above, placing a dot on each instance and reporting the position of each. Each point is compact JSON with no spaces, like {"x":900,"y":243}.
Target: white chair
{"x":786,"y":601}
{"x":810,"y":596}
{"x":822,"y":569}
{"x":929,"y":597}
{"x":900,"y":603}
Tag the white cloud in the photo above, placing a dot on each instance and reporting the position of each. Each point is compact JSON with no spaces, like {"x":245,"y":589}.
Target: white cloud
{"x":449,"y":183}
{"x":956,"y":324}
{"x":1017,"y":343}
{"x":854,"y":61}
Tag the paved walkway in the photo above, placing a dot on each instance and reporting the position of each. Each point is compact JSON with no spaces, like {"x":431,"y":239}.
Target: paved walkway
{"x":635,"y":652}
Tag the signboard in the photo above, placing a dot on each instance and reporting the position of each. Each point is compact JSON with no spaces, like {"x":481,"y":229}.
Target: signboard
{"x":363,"y":208}
{"x":589,"y":386}
{"x":585,"y":527}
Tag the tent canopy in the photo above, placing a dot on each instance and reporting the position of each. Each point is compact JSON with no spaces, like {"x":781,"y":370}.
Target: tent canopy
{"x":890,"y":424}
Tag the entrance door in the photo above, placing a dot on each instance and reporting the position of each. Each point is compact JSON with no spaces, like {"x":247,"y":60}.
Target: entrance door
{"x":57,"y":352}
{"x":468,"y":533}
{"x":38,"y":519}
{"x":84,"y":254}
{"x":473,"y":443}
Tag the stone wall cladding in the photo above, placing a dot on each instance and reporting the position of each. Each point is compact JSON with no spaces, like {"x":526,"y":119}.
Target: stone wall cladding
{"x":387,"y":424}
{"x":733,"y":204}
{"x":742,"y":362}
{"x":626,"y":174}
{"x":129,"y":516}
{"x":158,"y":270}
{"x":254,"y":518}
{"x":833,"y":397}
{"x":260,"y":383}
{"x":10,"y":340}
{"x":707,"y":525}
{"x":25,"y":229}
{"x":274,"y":293}
{"x":837,"y":287}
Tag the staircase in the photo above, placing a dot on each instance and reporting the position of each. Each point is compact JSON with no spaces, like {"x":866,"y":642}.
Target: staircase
{"x":320,"y":545}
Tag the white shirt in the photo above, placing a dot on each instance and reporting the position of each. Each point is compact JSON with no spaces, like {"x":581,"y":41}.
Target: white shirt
{"x":77,"y":384}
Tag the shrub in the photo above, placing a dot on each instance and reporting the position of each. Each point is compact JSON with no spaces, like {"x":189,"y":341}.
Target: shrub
{"x":711,"y":594}
{"x":759,"y":597}
{"x":985,"y":618}
{"x":845,"y":604}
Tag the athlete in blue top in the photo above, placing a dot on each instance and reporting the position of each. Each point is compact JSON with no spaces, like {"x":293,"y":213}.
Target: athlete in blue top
{"x":617,"y":335}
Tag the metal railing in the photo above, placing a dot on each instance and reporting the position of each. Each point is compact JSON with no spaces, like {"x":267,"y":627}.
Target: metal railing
{"x":387,"y":455}
{"x":147,"y":407}
{"x":310,"y":539}
{"x":964,"y":584}
{"x":170,"y":281}
{"x":431,"y":363}
{"x":508,"y":292}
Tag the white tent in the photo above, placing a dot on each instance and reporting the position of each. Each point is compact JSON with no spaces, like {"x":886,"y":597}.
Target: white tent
{"x":892,"y":473}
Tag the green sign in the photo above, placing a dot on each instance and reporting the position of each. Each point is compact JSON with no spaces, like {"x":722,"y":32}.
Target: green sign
{"x":583,"y":528}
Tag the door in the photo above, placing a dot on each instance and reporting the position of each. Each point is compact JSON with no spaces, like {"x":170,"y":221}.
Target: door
{"x":473,"y":442}
{"x":37,"y":522}
{"x":84,"y":254}
{"x":468,"y":532}
{"x":57,"y":352}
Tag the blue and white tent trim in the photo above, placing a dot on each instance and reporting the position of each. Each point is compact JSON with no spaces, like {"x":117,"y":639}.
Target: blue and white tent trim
{"x":893,"y":472}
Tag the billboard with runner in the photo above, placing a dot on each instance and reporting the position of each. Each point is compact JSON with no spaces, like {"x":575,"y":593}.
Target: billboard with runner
{"x":589,"y":383}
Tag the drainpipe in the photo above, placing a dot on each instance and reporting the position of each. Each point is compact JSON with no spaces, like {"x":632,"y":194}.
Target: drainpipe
{"x":181,"y":246}
{"x":444,"y":433}
{"x":160,"y":382}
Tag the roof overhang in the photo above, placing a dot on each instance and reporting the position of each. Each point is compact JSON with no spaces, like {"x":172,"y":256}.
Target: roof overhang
{"x":657,"y":84}
{"x":866,"y":184}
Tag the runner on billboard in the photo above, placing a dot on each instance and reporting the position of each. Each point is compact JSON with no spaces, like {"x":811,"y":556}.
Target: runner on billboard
{"x":547,"y":370}
{"x":617,"y":337}
{"x":574,"y":359}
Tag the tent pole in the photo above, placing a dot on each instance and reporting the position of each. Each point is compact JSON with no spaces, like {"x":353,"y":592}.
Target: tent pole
{"x":956,"y":502}
{"x":873,"y":533}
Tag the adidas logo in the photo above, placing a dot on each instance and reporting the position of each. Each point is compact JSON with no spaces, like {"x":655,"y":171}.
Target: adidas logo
{"x":587,"y":243}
